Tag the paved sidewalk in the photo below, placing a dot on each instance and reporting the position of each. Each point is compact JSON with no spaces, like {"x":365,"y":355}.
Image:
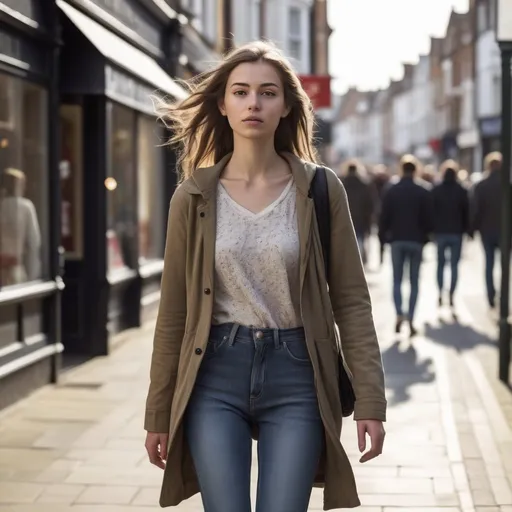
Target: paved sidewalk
{"x":78,"y":447}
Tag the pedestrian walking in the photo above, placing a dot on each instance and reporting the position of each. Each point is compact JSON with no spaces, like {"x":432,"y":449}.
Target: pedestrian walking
{"x":451,"y":221}
{"x":380,"y":182}
{"x":245,"y":340}
{"x":361,"y":201}
{"x":406,"y":222}
{"x":486,"y":217}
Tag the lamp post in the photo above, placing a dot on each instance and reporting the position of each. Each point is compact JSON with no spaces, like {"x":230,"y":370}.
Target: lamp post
{"x":504,"y":38}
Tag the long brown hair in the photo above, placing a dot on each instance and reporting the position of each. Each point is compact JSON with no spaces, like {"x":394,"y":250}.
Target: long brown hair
{"x":202,"y":135}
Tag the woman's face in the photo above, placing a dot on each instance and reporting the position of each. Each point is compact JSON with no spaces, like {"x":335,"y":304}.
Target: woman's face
{"x":254,"y":100}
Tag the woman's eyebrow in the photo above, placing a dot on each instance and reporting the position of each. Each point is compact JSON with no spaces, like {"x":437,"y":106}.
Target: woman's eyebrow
{"x":243,"y":84}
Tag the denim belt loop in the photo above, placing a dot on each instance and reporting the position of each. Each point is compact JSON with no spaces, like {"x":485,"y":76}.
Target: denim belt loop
{"x":232,"y":334}
{"x":276,"y":338}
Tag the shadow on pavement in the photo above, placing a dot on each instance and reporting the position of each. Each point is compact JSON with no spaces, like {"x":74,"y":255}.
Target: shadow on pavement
{"x":403,"y":370}
{"x":458,"y":336}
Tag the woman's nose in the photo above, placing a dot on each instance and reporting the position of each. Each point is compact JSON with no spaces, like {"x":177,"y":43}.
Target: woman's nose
{"x":254,"y":101}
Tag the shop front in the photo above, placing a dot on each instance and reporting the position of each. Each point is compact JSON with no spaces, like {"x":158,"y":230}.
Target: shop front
{"x":490,"y":134}
{"x":30,"y":283}
{"x":116,"y":176}
{"x":468,"y":142}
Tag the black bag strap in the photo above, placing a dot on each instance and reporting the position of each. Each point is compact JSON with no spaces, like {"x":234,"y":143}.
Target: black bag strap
{"x":319,"y":191}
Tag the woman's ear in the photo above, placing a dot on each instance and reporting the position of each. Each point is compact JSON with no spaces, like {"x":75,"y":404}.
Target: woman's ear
{"x":287,"y":110}
{"x":222,"y":107}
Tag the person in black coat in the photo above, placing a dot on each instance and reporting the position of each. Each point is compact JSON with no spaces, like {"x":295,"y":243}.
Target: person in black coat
{"x":451,"y":221}
{"x":406,"y":221}
{"x":486,"y":217}
{"x":361,"y":201}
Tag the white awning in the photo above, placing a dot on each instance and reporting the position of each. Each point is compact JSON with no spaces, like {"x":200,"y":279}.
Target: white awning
{"x":123,"y":54}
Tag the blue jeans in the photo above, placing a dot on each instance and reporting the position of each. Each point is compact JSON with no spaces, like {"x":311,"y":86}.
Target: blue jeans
{"x":454,"y":244}
{"x":255,"y":379}
{"x":491,"y":244}
{"x":402,"y":252}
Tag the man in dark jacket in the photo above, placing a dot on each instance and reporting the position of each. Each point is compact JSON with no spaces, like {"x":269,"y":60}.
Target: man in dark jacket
{"x":361,"y":203}
{"x":486,"y":217}
{"x":451,"y":222}
{"x":406,"y":221}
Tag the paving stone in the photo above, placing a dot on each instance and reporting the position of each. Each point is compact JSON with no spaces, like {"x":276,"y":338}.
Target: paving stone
{"x":61,"y":494}
{"x":395,"y":486}
{"x":444,"y":485}
{"x":108,"y":495}
{"x":423,"y":509}
{"x":19,"y":492}
{"x":425,"y":472}
{"x":147,"y":496}
{"x":483,"y":498}
{"x":410,"y":500}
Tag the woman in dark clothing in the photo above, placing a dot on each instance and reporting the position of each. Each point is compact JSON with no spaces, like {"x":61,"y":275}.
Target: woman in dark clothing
{"x":451,"y":221}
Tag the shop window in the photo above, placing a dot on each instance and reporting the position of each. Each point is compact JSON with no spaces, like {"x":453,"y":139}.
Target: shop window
{"x":150,"y":208}
{"x":295,"y":35}
{"x":23,"y":182}
{"x":70,"y":167}
{"x":120,"y":184}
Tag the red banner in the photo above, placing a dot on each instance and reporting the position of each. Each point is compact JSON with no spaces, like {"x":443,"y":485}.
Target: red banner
{"x":318,"y":88}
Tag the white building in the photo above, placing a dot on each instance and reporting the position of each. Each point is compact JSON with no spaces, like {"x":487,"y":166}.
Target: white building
{"x":205,"y":17}
{"x":488,"y":80}
{"x":421,"y":113}
{"x":402,"y":130}
{"x":287,"y":23}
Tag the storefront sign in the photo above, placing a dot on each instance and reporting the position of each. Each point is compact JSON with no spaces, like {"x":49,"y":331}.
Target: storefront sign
{"x":133,"y":16}
{"x":318,"y":88}
{"x":22,"y":53}
{"x":490,"y":127}
{"x":468,"y":139}
{"x":125,"y":89}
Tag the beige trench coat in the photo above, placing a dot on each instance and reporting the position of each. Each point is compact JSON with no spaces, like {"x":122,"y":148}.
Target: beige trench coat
{"x":184,"y":320}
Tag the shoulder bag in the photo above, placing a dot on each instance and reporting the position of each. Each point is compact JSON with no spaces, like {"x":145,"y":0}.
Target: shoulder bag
{"x":319,"y":191}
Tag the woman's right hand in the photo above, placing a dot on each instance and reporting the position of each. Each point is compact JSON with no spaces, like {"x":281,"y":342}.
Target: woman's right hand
{"x":156,"y":446}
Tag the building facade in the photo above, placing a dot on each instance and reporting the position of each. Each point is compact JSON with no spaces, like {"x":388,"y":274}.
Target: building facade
{"x":447,"y":105}
{"x":86,"y":178}
{"x":85,"y":182}
{"x":487,"y":78}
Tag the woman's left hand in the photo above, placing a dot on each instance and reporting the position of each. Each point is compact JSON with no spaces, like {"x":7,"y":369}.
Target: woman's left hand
{"x":375,"y":429}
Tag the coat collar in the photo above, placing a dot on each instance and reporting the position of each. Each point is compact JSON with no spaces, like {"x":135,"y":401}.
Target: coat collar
{"x":204,"y":180}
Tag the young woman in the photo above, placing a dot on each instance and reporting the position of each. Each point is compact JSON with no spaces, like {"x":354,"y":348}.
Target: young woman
{"x":245,"y":342}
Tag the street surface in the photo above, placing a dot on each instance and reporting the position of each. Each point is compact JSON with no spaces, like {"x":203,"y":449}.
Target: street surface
{"x":79,"y":447}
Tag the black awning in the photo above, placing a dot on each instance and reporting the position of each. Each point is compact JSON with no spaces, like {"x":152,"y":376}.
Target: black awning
{"x":123,"y":54}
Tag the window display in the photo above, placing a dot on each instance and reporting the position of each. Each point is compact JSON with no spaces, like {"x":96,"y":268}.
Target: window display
{"x":120,"y":185}
{"x":23,"y":181}
{"x":150,"y":162}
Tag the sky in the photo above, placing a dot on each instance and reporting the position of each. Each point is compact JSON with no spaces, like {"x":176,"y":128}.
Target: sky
{"x":372,"y":38}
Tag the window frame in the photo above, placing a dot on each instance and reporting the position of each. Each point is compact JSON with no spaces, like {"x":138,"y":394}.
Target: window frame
{"x":295,"y":38}
{"x":45,"y":225}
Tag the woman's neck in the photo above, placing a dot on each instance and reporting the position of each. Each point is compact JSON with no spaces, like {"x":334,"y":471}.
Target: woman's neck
{"x":252,"y":160}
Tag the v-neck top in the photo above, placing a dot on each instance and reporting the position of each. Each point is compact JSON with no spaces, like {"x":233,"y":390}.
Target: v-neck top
{"x":257,"y":263}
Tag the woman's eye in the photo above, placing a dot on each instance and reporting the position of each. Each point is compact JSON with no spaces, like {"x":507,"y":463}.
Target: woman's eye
{"x":269,"y":93}
{"x":239,"y":93}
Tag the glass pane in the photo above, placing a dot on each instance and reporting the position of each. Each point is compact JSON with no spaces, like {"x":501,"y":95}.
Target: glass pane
{"x":295,"y":49}
{"x":120,"y":184}
{"x":295,"y":21}
{"x":23,"y":181}
{"x":70,"y":167}
{"x":150,"y":164}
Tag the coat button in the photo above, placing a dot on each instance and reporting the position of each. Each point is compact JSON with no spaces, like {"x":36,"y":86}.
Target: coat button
{"x":207,"y":291}
{"x":199,"y":351}
{"x":201,"y":214}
